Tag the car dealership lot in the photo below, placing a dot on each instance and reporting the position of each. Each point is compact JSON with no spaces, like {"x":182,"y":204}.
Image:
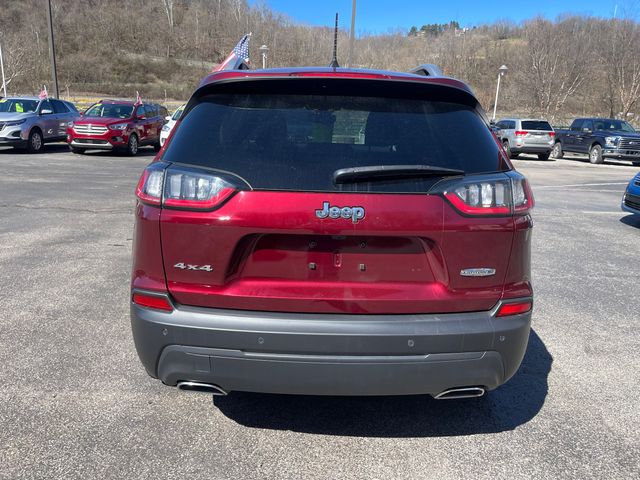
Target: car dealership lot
{"x":76,"y":402}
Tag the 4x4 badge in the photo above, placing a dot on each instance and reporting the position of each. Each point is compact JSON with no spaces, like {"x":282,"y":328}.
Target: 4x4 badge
{"x":354,"y":213}
{"x":188,"y":266}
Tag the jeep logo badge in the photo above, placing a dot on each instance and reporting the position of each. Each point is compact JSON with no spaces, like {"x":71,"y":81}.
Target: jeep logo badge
{"x":354,"y":213}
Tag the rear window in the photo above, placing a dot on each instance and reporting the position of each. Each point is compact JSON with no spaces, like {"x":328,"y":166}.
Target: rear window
{"x":536,"y":125}
{"x":296,"y":142}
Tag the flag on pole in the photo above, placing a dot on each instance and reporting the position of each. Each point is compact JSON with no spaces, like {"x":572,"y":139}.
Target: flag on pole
{"x":138,"y":99}
{"x":43,"y":93}
{"x":238,"y":58}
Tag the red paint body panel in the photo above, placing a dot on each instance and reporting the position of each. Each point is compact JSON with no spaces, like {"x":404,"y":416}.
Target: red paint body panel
{"x":147,"y":271}
{"x":261,"y":245}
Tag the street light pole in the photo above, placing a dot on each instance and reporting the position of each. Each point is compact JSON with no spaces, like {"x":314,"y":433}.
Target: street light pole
{"x":352,"y":37}
{"x":264,"y":50}
{"x":52,"y":51}
{"x":4,"y":83}
{"x":501,"y":71}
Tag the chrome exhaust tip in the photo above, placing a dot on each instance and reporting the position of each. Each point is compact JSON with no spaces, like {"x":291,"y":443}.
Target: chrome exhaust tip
{"x":455,"y":393}
{"x":201,"y":387}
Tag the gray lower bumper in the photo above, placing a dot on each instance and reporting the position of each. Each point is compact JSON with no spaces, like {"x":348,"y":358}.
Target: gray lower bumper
{"x":12,"y":141}
{"x":532,"y":149}
{"x":329,"y":354}
{"x":633,"y":155}
{"x":91,"y":146}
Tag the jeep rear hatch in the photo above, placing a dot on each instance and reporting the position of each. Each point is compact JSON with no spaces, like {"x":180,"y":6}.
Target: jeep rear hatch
{"x":264,"y":209}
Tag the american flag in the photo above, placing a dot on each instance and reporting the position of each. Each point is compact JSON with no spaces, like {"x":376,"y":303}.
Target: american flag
{"x":138,"y":99}
{"x":238,"y":56}
{"x":43,"y":93}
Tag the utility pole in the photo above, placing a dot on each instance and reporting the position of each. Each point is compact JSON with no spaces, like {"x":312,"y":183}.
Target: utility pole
{"x":353,"y":33}
{"x":4,"y":83}
{"x":52,"y":51}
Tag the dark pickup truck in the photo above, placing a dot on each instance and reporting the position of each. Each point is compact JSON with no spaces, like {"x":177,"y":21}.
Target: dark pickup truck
{"x":600,"y":138}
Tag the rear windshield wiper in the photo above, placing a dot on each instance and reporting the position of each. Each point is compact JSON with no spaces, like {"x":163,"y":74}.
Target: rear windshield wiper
{"x":385,"y":172}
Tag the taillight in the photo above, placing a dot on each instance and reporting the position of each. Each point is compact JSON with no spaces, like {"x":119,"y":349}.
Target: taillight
{"x":152,"y":301}
{"x":184,"y":188}
{"x":552,"y":134}
{"x":507,"y":309}
{"x":195,"y":189}
{"x":521,"y":133}
{"x":498,"y":195}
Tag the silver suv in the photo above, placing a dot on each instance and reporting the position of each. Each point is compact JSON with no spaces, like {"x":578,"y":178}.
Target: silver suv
{"x":526,"y":136}
{"x":29,"y":123}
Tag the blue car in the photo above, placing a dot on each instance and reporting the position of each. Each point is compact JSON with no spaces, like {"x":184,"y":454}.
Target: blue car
{"x":631,"y":198}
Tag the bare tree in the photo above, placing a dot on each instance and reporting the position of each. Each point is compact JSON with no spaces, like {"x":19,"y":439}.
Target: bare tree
{"x":619,"y":54}
{"x":556,"y":62}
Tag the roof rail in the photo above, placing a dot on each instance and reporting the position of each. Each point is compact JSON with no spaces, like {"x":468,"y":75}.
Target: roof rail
{"x":427,"y":70}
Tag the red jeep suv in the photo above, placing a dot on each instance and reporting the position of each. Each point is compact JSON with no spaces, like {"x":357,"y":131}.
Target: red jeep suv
{"x":117,"y":125}
{"x":332,"y":232}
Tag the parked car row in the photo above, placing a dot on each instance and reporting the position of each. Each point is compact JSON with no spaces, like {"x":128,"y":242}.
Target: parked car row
{"x":599,"y":138}
{"x":115,"y":125}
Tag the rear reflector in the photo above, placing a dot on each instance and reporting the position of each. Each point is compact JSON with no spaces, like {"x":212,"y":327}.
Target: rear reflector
{"x":552,"y":134}
{"x":513,"y":309}
{"x":152,"y":301}
{"x":521,"y":133}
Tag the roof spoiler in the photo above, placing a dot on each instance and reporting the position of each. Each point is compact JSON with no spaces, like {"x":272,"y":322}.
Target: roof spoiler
{"x":427,"y":70}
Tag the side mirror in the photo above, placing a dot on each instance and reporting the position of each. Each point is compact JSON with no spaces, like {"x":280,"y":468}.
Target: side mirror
{"x":492,"y":122}
{"x":586,"y":130}
{"x":46,"y":111}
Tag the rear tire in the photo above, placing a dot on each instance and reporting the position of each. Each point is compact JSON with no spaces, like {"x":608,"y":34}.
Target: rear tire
{"x":79,"y":151}
{"x":595,"y":154}
{"x":35,"y":142}
{"x":543,"y":156}
{"x":132,"y":145}
{"x":556,"y":151}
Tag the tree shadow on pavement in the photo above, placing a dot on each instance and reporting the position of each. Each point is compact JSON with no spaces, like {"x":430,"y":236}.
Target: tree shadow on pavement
{"x":505,"y":408}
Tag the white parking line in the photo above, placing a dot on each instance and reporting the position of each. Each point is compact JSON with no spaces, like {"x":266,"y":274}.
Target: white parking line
{"x":579,"y":185}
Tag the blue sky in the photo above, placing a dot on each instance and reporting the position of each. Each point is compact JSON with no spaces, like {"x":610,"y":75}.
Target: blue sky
{"x":380,"y":16}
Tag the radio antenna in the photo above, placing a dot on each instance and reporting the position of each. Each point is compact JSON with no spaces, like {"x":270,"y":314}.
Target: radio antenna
{"x":334,"y":61}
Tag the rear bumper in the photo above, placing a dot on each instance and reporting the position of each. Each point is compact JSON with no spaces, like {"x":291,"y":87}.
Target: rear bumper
{"x":532,"y":149}
{"x":328,"y":354}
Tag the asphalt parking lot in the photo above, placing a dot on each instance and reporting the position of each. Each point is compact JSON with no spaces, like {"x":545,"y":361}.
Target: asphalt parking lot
{"x":76,"y":403}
